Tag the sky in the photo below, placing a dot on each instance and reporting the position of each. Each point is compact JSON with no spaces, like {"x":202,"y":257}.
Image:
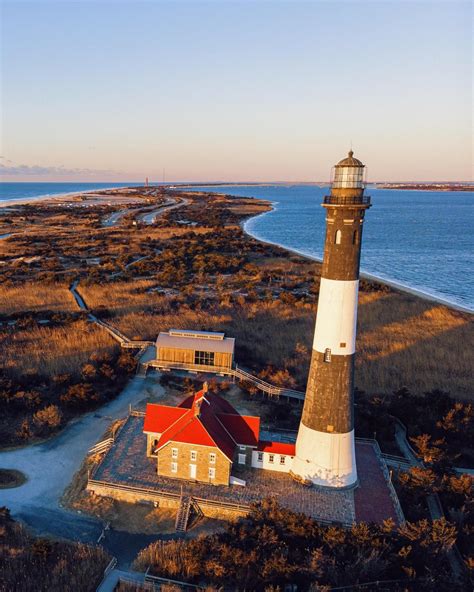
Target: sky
{"x":235,"y":91}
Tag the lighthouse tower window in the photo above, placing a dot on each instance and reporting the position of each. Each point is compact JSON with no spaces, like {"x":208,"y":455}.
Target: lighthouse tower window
{"x":327,"y":355}
{"x":338,"y":237}
{"x":355,"y":237}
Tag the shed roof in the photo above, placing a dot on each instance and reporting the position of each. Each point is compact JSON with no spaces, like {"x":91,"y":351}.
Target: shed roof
{"x":224,"y":345}
{"x":276,"y":447}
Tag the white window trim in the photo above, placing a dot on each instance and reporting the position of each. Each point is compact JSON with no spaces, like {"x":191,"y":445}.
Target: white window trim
{"x":282,"y":459}
{"x":212,"y":458}
{"x":243,"y":448}
{"x":174,"y":467}
{"x":271,"y":458}
{"x":174,"y":453}
{"x":194,"y":455}
{"x":212,"y":472}
{"x":260,"y":456}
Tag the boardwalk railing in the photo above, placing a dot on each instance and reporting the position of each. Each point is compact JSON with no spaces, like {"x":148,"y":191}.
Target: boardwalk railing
{"x":236,"y":372}
{"x":107,"y":570}
{"x":101,"y":446}
{"x":156,"y":494}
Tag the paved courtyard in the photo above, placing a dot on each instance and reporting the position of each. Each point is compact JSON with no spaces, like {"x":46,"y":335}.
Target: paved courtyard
{"x":126,"y":463}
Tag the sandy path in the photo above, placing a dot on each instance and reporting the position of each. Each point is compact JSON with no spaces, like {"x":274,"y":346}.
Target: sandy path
{"x":50,"y":467}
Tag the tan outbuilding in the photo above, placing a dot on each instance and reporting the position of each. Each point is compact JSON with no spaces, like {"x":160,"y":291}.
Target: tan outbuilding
{"x":198,"y":350}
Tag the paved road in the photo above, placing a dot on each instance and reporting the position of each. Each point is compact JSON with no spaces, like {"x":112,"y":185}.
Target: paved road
{"x":170,"y":204}
{"x":51,"y":465}
{"x":114,"y":218}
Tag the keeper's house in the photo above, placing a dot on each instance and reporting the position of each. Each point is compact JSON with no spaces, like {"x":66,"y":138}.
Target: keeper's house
{"x":194,"y":350}
{"x":202,"y":438}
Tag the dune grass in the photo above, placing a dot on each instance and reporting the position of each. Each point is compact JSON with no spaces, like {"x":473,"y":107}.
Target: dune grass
{"x":51,"y":351}
{"x":402,"y":340}
{"x":36,"y":297}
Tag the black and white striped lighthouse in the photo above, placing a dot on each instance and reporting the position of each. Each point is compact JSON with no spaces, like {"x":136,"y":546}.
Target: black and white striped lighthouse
{"x":325,"y":449}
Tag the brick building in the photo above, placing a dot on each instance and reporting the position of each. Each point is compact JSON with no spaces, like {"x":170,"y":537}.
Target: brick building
{"x":202,"y":438}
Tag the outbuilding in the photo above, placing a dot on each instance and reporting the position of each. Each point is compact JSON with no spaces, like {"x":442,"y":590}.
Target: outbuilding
{"x":194,"y":350}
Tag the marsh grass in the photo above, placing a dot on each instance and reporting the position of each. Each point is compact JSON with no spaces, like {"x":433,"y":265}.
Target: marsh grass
{"x":52,"y":350}
{"x":402,"y":339}
{"x":36,"y":297}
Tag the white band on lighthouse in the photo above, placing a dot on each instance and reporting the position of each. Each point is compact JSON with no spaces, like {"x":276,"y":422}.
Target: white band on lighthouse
{"x":336,"y":319}
{"x":325,"y":459}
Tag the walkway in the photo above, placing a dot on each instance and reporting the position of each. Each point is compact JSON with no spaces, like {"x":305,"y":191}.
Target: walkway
{"x":432,"y":501}
{"x":51,"y":465}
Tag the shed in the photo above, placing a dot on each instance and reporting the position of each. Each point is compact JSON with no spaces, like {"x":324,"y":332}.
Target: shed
{"x":205,"y":350}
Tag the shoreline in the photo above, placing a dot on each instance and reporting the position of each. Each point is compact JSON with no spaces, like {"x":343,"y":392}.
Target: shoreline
{"x":363,"y":274}
{"x":244,"y":225}
{"x":4,"y":203}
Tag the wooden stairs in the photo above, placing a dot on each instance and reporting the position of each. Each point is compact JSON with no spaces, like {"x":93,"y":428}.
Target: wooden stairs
{"x":187,"y":507}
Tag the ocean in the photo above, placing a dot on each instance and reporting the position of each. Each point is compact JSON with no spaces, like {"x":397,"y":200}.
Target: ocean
{"x":422,"y":240}
{"x":30,"y":191}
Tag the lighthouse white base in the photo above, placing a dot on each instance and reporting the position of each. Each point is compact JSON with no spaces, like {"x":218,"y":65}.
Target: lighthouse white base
{"x":325,"y":459}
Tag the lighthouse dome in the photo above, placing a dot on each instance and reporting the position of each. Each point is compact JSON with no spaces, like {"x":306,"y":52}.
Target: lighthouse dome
{"x":350,"y":161}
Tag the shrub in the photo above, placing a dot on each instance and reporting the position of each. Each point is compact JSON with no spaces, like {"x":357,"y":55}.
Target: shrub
{"x":48,"y":418}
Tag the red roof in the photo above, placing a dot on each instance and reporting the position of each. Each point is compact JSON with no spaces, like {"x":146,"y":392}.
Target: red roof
{"x":159,"y":417}
{"x":243,"y":429}
{"x":276,"y":447}
{"x":205,"y":419}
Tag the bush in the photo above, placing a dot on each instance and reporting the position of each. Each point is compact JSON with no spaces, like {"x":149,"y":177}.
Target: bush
{"x":48,"y":419}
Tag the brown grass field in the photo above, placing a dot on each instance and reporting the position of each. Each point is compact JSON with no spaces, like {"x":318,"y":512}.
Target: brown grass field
{"x":403,"y":340}
{"x":52,"y":350}
{"x":36,"y":297}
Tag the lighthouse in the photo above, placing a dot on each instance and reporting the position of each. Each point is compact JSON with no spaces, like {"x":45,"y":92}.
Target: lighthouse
{"x":325,"y":447}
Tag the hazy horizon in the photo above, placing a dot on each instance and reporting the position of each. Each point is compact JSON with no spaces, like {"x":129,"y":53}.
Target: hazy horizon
{"x":115,"y":91}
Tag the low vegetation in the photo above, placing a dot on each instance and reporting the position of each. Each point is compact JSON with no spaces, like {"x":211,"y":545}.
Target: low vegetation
{"x":275,"y":547}
{"x":195,"y":268}
{"x":30,"y":564}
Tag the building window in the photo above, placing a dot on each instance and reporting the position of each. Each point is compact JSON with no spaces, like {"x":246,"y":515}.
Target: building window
{"x":260,"y":457}
{"x":242,"y":459}
{"x":212,"y":473}
{"x":355,"y":237}
{"x":174,"y":453}
{"x":327,"y":355}
{"x":338,"y":237}
{"x":243,"y":448}
{"x":212,"y":457}
{"x":174,"y":467}
{"x":282,"y":460}
{"x":271,"y":458}
{"x":194,"y":455}
{"x":204,"y":358}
